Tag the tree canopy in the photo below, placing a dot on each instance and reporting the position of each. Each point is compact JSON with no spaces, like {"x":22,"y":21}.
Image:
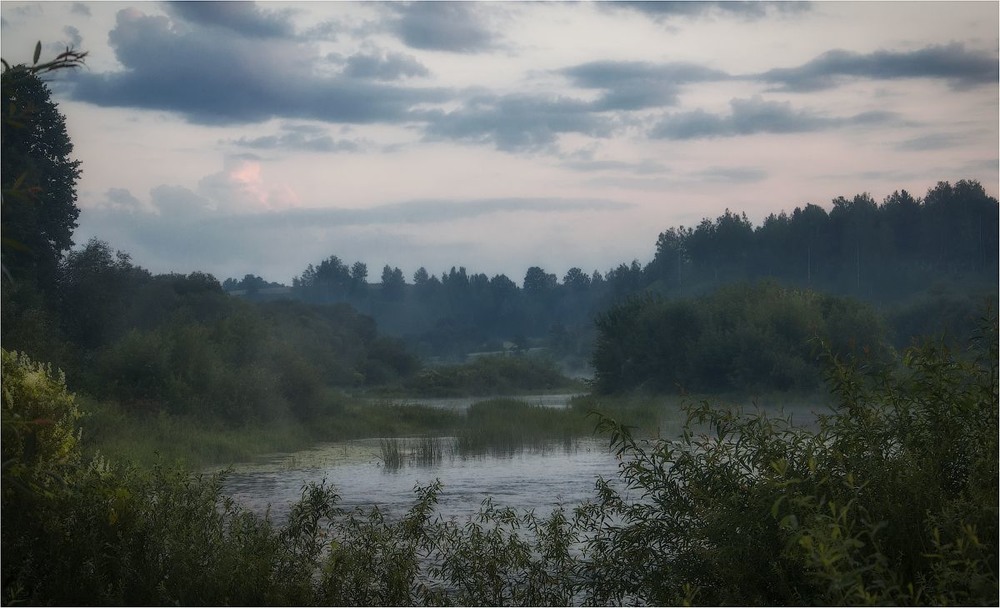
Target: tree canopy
{"x":38,"y":174}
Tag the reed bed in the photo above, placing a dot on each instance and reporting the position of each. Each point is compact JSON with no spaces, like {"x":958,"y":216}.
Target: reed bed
{"x":392,"y":455}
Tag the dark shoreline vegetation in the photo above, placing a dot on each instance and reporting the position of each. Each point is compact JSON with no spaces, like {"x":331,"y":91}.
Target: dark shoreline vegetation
{"x":118,"y":383}
{"x":892,"y":499}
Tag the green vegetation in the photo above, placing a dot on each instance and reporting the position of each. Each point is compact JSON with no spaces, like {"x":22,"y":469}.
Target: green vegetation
{"x":892,"y":254}
{"x":741,"y":338}
{"x":892,"y":499}
{"x":490,"y":376}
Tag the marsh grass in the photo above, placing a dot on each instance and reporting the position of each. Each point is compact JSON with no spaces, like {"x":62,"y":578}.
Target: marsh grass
{"x":427,"y":451}
{"x":394,"y":452}
{"x":391,"y":453}
{"x":498,"y":427}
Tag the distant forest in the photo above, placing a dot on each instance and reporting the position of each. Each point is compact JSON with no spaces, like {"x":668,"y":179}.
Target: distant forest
{"x":927,"y":263}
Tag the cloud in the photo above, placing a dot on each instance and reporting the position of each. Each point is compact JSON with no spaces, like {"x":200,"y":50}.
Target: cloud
{"x":933,"y":141}
{"x":756,"y":115}
{"x":79,"y":8}
{"x":188,"y":232}
{"x":517,"y":122}
{"x":426,"y":211}
{"x":305,"y":139}
{"x":171,"y":203}
{"x":456,"y":27}
{"x":962,"y":69}
{"x":646,"y":167}
{"x":122,"y":199}
{"x":244,"y":18}
{"x":731,"y":175}
{"x":660,"y":11}
{"x":75,"y":39}
{"x":384,"y":66}
{"x":328,"y":30}
{"x":636,"y":85}
{"x":215,"y":77}
{"x":240,"y":188}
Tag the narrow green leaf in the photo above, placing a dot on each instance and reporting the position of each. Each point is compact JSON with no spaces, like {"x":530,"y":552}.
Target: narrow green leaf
{"x":38,"y":52}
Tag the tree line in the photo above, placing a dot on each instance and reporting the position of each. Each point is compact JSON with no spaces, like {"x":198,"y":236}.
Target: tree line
{"x":914,"y":258}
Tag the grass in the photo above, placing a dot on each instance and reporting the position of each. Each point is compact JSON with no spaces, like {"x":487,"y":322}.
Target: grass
{"x":496,"y":427}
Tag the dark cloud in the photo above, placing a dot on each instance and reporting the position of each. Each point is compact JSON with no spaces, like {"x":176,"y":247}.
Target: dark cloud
{"x":456,"y":27}
{"x":212,"y":78}
{"x":300,"y":139}
{"x":79,"y":8}
{"x":121,"y":198}
{"x":934,"y":141}
{"x":687,"y":8}
{"x":962,"y":69}
{"x":517,"y":122}
{"x":756,"y":115}
{"x":384,"y":66}
{"x":635,"y":85}
{"x":244,"y":18}
{"x":325,"y":30}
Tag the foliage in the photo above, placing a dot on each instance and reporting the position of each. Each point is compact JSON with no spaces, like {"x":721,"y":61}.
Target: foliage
{"x":885,"y":252}
{"x":743,"y":338}
{"x":891,"y":501}
{"x":38,"y":174}
{"x":40,"y":420}
{"x":489,"y":376}
{"x":890,"y":498}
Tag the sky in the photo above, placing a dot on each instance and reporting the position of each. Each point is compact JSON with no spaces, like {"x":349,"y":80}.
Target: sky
{"x":236,"y":138}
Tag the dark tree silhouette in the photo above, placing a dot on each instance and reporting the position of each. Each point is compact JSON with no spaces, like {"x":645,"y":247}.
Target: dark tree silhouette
{"x":38,"y":177}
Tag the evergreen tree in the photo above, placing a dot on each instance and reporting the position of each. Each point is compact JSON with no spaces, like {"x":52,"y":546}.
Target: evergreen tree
{"x":38,"y":178}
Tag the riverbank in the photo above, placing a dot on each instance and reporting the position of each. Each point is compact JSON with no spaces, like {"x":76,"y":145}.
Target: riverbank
{"x":196,"y":442}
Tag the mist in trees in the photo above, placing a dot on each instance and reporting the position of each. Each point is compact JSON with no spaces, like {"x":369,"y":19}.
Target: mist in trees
{"x":926,"y":264}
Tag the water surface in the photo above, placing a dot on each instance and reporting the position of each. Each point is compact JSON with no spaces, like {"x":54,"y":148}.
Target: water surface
{"x":539,"y":478}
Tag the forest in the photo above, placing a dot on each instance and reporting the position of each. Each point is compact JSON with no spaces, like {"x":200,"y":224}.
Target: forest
{"x":926,"y":263}
{"x":892,"y":499}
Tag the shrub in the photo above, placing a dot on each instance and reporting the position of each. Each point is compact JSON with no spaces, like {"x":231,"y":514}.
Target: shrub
{"x":892,"y":500}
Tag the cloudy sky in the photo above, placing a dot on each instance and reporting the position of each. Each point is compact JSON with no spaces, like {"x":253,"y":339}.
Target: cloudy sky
{"x":240,"y":138}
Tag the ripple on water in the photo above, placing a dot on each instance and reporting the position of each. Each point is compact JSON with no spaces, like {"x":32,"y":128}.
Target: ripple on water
{"x":533,"y":478}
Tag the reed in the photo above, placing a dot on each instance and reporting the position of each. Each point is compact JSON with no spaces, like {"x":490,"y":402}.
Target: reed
{"x":392,"y":455}
{"x":427,"y":451}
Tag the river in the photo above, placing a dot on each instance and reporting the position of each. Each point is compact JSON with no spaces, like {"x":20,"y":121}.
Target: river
{"x":539,"y":477}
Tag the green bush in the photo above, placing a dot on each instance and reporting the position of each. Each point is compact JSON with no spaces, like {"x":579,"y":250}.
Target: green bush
{"x":745,"y":338}
{"x":893,"y":500}
{"x":40,"y":426}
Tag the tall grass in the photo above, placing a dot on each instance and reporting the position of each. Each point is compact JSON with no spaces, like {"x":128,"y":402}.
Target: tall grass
{"x":392,"y":454}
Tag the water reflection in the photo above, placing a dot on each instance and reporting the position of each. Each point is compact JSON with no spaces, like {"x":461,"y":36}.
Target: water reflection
{"x":535,"y":476}
{"x":462,"y":404}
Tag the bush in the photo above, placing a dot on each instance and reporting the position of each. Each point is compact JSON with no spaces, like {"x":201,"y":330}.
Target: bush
{"x":741,"y":338}
{"x":893,"y":500}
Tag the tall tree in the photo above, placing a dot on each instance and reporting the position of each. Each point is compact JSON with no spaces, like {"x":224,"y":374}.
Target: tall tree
{"x":38,"y":177}
{"x":393,"y":284}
